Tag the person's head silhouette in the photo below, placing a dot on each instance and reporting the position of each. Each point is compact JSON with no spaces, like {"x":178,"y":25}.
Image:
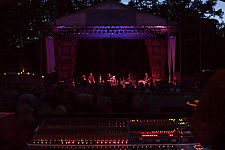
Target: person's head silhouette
{"x":208,"y":122}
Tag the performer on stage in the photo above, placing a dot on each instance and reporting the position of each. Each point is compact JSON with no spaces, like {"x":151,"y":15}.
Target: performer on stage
{"x":147,"y":79}
{"x":130,"y":78}
{"x":83,"y":79}
{"x":100,"y":80}
{"x":109,"y":77}
{"x":91,"y":79}
{"x":113,"y":81}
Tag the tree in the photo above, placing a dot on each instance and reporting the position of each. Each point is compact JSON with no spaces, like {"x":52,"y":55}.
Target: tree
{"x":145,"y":5}
{"x":23,"y":19}
{"x":175,"y":9}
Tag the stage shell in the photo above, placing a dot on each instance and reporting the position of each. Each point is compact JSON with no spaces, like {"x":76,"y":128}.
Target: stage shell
{"x":109,"y":20}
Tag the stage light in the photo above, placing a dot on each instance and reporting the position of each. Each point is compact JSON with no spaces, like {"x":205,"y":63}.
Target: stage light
{"x":42,"y":76}
{"x":60,"y":27}
{"x":5,"y":74}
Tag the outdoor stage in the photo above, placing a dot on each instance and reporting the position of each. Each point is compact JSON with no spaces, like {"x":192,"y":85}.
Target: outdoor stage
{"x":118,"y":40}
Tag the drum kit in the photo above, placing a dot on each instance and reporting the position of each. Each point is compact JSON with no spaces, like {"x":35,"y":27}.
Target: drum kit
{"x":144,"y":82}
{"x":141,"y":82}
{"x":128,"y":82}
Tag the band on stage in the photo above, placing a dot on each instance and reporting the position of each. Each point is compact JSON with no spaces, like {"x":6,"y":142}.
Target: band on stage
{"x":113,"y":80}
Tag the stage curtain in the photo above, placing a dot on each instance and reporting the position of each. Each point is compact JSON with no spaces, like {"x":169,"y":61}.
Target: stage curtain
{"x":171,"y":57}
{"x":66,"y":50}
{"x":156,"y":50}
{"x":50,"y":54}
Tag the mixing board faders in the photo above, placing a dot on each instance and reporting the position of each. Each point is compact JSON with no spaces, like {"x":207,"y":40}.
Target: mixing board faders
{"x":115,"y":133}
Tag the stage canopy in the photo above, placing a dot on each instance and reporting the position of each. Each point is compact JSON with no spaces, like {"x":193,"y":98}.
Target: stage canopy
{"x":110,"y":19}
{"x":110,"y":13}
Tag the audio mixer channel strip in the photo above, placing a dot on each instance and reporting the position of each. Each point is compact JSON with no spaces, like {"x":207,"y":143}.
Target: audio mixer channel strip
{"x":121,"y":134}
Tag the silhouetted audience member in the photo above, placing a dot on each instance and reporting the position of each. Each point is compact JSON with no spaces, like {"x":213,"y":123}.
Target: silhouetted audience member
{"x":208,"y":122}
{"x":29,"y":105}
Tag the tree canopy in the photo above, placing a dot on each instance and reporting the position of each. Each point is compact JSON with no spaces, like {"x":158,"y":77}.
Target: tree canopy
{"x":173,"y":9}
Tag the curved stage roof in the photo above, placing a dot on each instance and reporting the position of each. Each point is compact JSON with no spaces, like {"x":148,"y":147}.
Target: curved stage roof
{"x":110,"y":13}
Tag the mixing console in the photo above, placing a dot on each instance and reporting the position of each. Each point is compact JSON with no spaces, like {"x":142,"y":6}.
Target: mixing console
{"x":121,"y":134}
